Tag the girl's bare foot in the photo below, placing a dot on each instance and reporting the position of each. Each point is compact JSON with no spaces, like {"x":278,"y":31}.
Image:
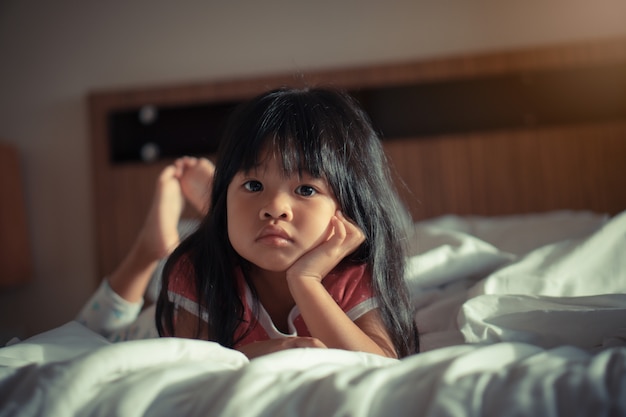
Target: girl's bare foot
{"x":159,"y":234}
{"x":196,"y":178}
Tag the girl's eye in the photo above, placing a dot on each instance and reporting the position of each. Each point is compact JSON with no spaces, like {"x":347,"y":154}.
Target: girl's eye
{"x":253,"y":186}
{"x":305,"y":190}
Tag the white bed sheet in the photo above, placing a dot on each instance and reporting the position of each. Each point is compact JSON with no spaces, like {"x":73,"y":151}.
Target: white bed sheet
{"x":536,"y":330}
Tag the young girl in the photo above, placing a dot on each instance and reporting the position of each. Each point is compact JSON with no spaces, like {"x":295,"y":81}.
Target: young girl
{"x":302,"y":244}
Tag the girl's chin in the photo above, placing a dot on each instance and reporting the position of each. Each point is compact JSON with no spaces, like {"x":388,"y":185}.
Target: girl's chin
{"x":272,"y":268}
{"x":271,"y":261}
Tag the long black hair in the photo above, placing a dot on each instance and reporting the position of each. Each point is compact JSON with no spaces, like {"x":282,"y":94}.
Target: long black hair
{"x":326,"y":134}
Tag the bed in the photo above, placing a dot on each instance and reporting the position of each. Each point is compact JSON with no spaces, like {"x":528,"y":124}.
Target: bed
{"x":516,"y":268}
{"x":533,"y":325}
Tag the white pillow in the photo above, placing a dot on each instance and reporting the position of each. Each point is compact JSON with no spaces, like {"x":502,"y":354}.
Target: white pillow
{"x":451,"y":248}
{"x":438,"y":256}
{"x":593,"y":265}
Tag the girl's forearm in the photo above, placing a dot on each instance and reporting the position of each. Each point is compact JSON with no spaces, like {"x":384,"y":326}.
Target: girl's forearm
{"x":327,"y":321}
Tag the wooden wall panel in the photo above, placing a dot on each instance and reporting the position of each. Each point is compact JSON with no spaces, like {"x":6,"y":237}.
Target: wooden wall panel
{"x":533,"y":170}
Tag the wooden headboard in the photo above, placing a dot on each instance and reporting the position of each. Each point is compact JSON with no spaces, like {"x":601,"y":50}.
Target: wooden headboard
{"x":488,"y":134}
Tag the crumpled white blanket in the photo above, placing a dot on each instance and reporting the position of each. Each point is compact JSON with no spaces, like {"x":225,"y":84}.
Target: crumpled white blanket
{"x":166,"y":377}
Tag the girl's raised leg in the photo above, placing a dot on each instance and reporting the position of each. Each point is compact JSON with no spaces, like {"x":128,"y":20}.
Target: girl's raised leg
{"x":157,"y":238}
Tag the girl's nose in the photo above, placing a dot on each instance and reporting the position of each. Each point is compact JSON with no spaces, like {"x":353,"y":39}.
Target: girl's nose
{"x":277,"y":207}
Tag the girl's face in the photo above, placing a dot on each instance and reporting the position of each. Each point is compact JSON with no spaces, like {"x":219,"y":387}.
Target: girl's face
{"x":273,"y":220}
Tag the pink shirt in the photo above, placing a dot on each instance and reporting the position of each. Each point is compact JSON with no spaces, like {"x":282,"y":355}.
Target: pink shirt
{"x":350,"y":287}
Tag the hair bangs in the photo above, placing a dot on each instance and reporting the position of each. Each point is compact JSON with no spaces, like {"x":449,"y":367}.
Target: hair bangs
{"x":293,"y":133}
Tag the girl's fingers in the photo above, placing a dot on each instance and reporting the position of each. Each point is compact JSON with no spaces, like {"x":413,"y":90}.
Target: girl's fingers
{"x":351,"y":229}
{"x":304,"y":342}
{"x":340,"y":228}
{"x":347,"y":235}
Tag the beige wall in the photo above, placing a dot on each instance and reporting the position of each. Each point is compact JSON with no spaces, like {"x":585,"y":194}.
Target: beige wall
{"x":53,"y":53}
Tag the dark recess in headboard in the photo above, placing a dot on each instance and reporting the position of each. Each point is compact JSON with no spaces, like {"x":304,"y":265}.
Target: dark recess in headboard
{"x":539,"y":98}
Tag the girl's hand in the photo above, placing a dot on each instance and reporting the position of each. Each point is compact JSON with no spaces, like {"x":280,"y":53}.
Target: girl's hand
{"x":344,"y":238}
{"x":324,"y":318}
{"x":256,"y":349}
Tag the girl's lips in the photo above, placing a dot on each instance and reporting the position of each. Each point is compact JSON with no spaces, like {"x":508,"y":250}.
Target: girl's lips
{"x":274,"y":235}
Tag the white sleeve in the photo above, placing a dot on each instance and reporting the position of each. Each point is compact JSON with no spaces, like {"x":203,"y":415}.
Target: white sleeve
{"x":115,"y":318}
